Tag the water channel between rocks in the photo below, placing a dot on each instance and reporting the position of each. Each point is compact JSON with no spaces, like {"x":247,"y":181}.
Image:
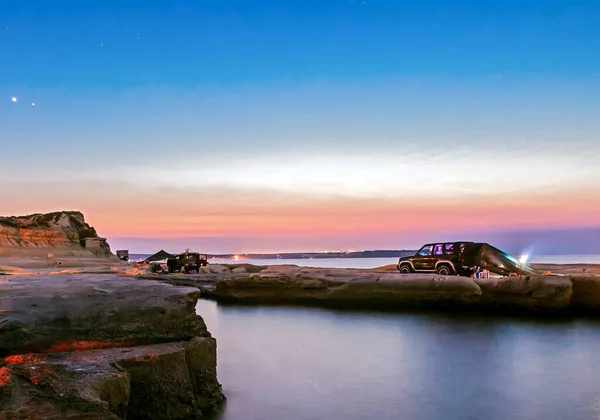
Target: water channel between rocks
{"x":307,"y":363}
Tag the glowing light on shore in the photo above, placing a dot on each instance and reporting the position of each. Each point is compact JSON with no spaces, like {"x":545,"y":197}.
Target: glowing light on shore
{"x":236,"y":257}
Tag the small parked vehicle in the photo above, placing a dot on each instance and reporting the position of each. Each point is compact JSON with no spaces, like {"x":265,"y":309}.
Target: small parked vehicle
{"x":188,"y":262}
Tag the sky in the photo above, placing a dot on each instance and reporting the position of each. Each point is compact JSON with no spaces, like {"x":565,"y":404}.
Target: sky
{"x":269,"y":126}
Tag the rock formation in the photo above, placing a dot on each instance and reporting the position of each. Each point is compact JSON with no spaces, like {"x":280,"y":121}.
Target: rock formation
{"x":103,"y":347}
{"x":391,"y":290}
{"x":64,"y":232}
{"x":364,"y":288}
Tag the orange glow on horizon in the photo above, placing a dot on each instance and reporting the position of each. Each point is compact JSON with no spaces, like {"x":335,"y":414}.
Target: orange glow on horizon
{"x":183,"y":213}
{"x":356,"y":218}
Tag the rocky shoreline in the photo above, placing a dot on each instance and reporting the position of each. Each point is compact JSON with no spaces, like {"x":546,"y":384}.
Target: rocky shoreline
{"x":79,"y":344}
{"x":103,"y":347}
{"x":572,"y":290}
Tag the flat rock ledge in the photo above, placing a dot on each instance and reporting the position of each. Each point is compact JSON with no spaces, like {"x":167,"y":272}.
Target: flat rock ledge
{"x":353,"y":288}
{"x":103,"y":347}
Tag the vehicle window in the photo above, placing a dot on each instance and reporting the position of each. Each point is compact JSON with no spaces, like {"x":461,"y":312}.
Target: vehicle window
{"x":438,"y":249}
{"x":449,"y":249}
{"x":426,"y":251}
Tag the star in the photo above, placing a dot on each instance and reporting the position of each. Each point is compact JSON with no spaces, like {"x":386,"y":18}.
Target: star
{"x":14,"y":99}
{"x":33,"y":104}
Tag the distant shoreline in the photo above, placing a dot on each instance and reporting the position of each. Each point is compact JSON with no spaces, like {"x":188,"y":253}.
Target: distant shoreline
{"x":325,"y":255}
{"x":307,"y":255}
{"x":316,"y":255}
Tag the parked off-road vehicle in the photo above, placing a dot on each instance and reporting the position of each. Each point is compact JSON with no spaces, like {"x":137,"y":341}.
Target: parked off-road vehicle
{"x":462,"y":258}
{"x":187,"y":262}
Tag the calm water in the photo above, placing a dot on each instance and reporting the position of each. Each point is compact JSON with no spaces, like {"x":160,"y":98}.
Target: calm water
{"x":290,"y":363}
{"x":378,"y":262}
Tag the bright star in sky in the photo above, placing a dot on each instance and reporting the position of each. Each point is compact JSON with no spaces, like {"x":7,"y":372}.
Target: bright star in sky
{"x":14,"y":99}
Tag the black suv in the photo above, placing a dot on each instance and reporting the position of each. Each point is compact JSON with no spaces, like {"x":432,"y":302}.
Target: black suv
{"x":444,"y":258}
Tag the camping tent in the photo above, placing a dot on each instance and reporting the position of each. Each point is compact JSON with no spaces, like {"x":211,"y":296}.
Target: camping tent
{"x":494,"y":260}
{"x":159,"y":256}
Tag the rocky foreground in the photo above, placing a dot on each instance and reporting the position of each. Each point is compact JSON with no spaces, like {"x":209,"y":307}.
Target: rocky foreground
{"x":103,"y":347}
{"x":130,"y":345}
{"x":573,"y":289}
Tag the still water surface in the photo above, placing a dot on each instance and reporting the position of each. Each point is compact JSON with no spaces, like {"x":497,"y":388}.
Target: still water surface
{"x":294,"y":363}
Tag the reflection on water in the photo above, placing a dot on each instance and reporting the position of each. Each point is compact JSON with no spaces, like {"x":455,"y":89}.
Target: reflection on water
{"x":290,"y":363}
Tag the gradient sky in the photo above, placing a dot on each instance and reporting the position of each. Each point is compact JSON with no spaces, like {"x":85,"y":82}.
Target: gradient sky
{"x":249,"y":126}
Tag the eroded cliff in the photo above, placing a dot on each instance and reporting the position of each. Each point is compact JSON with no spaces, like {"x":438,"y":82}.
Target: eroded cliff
{"x":62,"y":231}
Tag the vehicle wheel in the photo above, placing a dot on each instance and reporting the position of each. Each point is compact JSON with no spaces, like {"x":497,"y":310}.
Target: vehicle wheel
{"x":405,"y":269}
{"x":444,"y":270}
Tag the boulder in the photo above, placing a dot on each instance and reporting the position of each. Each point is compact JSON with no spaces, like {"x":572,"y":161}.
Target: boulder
{"x":163,"y":381}
{"x":344,"y":287}
{"x":269,"y":287}
{"x":586,"y":293}
{"x":217,"y":268}
{"x":45,"y":313}
{"x":526,"y":293}
{"x":103,"y":347}
{"x":250,"y":268}
{"x":416,"y":290}
{"x":33,"y":387}
{"x":378,"y":289}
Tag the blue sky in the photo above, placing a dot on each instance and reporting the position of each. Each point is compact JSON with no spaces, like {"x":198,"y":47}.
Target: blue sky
{"x":485,"y":109}
{"x":121,"y":44}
